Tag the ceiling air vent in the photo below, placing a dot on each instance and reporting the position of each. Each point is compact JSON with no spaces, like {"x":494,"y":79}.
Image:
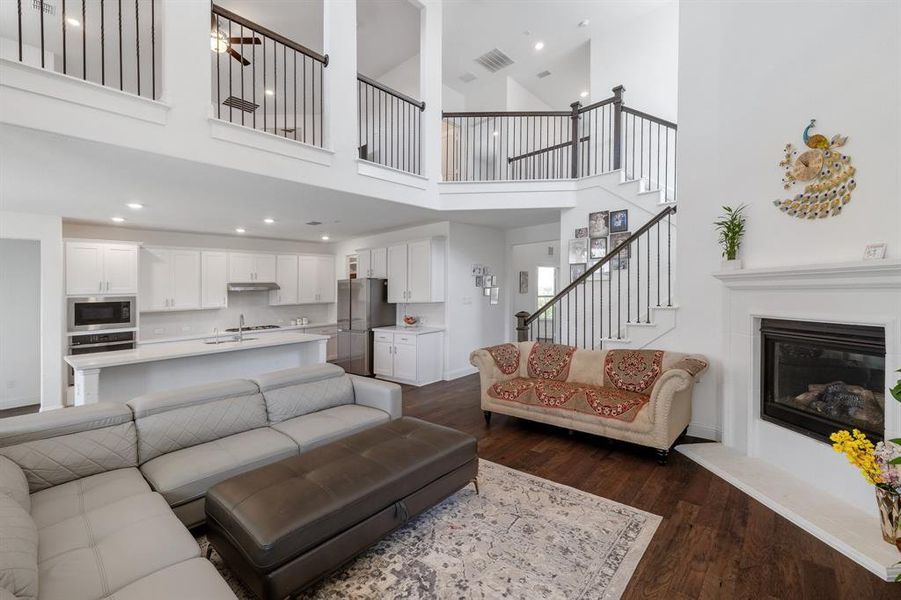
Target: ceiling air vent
{"x":494,"y":60}
{"x":543,"y":74}
{"x":467,"y":77}
{"x":48,"y":8}
{"x":240,"y":104}
{"x":314,"y":223}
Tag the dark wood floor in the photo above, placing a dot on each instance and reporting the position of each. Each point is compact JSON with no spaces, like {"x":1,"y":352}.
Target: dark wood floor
{"x":714,"y":542}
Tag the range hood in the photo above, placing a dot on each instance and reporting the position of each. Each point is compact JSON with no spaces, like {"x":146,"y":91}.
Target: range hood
{"x":253,"y":286}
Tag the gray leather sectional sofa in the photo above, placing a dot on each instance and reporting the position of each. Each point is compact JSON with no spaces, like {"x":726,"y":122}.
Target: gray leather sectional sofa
{"x":94,"y":500}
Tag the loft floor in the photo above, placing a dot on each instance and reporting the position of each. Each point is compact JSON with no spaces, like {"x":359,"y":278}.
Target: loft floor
{"x":714,"y":542}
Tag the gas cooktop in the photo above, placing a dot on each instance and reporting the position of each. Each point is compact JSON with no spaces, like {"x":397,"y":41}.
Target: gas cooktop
{"x":253,"y":328}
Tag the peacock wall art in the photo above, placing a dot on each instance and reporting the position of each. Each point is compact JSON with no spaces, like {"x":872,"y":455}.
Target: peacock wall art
{"x":826,"y":173}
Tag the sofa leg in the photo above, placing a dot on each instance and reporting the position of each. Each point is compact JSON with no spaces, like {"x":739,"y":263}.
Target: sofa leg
{"x":487,"y":414}
{"x":209,"y":551}
{"x":475,"y":482}
{"x":662,"y":456}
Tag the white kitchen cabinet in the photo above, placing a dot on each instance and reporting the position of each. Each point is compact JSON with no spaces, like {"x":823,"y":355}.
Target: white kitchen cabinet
{"x":286,"y":276}
{"x":317,"y":283}
{"x":213,"y":279}
{"x":97,"y":268}
{"x":415,"y":357}
{"x":372,"y":262}
{"x":170,"y":279}
{"x":245,"y":267}
{"x":415,"y":271}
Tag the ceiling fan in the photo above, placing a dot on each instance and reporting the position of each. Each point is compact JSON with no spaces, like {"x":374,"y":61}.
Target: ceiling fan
{"x":221,"y":43}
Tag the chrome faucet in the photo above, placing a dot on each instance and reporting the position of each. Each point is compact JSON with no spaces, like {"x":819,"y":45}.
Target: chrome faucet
{"x":241,"y":328}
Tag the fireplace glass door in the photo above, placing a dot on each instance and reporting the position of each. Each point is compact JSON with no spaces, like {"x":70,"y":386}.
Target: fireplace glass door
{"x":822,"y":377}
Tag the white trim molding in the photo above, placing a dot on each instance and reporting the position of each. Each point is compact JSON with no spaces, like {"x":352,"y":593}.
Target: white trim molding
{"x":879,"y":274}
{"x":267,"y":142}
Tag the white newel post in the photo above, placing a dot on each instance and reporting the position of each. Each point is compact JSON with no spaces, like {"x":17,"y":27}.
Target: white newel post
{"x":430,"y":40}
{"x":340,"y":80}
{"x":185,"y":63}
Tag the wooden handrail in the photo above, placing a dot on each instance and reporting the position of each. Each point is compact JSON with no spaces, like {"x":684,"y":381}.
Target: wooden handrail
{"x":559,"y":146}
{"x":495,"y":113}
{"x":669,"y":210}
{"x":598,"y":104}
{"x":649,"y":117}
{"x":223,"y":12}
{"x":399,"y":95}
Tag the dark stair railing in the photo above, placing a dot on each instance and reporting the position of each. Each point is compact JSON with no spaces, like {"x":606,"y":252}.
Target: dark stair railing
{"x":621,"y":288}
{"x":580,"y":142}
{"x":390,"y":126}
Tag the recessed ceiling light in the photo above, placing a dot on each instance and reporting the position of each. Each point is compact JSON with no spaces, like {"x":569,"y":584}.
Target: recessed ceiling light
{"x":135,"y":205}
{"x":539,"y":45}
{"x":73,"y":22}
{"x":268,"y":220}
{"x":118,"y":220}
{"x":584,"y":23}
{"x":583,"y":94}
{"x":270,"y":93}
{"x":240,"y":230}
{"x":324,"y":238}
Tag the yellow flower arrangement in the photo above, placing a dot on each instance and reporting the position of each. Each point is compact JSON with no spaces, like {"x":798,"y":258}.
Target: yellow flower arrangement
{"x":860,"y":453}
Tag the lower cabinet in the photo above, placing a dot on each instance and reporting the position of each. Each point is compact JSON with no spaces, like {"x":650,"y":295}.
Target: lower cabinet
{"x":332,"y":346}
{"x":416,"y":358}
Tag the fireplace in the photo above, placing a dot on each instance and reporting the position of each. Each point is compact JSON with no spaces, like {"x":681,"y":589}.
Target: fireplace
{"x":821,"y":377}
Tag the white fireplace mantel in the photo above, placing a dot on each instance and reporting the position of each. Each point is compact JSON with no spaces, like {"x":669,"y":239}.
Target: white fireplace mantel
{"x":781,"y":467}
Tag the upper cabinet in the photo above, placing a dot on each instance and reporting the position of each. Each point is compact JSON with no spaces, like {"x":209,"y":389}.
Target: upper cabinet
{"x":317,"y":282}
{"x":286,"y":276}
{"x":372,"y":262}
{"x":101,"y":268}
{"x":213,"y":279}
{"x":415,"y":271}
{"x":170,"y":279}
{"x":245,"y":267}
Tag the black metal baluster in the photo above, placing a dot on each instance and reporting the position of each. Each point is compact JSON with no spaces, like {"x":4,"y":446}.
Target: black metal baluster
{"x":218,"y":75}
{"x":153,"y":48}
{"x":284,"y":88}
{"x":64,"y":31}
{"x":669,"y":262}
{"x":610,"y":301}
{"x":321,"y":106}
{"x":19,"y":25}
{"x":83,"y":28}
{"x":619,"y":295}
{"x":657,"y":226}
{"x":265,"y":95}
{"x":230,"y":94}
{"x":628,"y":286}
{"x":638,"y":279}
{"x":274,"y":85}
{"x":648,"y":270}
{"x":138,"y":46}
{"x":295,"y":95}
{"x":41,"y":8}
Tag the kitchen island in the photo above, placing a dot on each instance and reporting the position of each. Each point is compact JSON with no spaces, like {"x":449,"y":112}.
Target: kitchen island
{"x":124,"y":374}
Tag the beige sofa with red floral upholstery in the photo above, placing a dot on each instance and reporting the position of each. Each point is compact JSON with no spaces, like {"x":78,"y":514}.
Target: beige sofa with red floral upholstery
{"x":638,"y":396}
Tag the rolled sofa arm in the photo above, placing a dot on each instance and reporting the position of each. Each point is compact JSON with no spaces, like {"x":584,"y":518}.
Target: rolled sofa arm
{"x":374,"y":393}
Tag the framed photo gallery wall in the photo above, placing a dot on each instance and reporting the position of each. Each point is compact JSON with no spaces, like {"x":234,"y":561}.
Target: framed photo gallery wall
{"x":606,"y":229}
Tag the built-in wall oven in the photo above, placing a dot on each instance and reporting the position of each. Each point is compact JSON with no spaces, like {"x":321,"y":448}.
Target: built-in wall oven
{"x":90,"y":343}
{"x":97,"y":313}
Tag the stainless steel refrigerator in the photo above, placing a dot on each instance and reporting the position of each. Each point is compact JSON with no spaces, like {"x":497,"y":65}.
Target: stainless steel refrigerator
{"x":362,"y":305}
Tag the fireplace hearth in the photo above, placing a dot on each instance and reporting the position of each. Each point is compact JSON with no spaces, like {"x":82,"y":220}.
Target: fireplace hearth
{"x":821,"y":377}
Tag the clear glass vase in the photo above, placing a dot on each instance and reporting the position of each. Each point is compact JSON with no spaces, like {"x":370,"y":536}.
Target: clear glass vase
{"x":889,"y":504}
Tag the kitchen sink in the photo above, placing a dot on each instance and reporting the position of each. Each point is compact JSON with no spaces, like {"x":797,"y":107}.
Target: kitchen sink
{"x":227,"y":341}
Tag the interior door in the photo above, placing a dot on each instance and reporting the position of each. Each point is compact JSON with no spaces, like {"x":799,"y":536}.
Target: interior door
{"x":397,"y":273}
{"x":156,"y":279}
{"x":120,"y":269}
{"x":185,"y":279}
{"x":84,"y":268}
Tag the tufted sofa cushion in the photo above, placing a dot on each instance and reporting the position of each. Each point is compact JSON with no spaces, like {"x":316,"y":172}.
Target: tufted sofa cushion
{"x":18,"y":550}
{"x":294,"y":392}
{"x":14,"y":484}
{"x":177,"y":419}
{"x":58,"y":446}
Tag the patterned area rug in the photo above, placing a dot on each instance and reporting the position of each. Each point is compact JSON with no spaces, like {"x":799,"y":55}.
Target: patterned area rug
{"x":523,"y":537}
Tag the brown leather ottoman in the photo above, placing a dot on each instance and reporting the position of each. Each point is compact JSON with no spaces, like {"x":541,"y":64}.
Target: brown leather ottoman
{"x":283,"y":526}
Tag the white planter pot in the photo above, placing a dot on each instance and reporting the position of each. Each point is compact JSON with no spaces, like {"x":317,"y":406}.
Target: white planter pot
{"x":732,"y":265}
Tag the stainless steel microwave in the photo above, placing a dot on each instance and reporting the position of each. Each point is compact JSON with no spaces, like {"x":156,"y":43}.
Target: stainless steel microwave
{"x":95,"y":313}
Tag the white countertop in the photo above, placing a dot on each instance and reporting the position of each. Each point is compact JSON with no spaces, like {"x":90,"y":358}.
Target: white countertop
{"x":157,"y":352}
{"x":203,"y":336}
{"x":416,"y":330}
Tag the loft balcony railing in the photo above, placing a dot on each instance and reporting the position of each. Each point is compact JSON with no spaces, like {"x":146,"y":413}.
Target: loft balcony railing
{"x":621,"y":288}
{"x":541,"y":145}
{"x":112,"y":43}
{"x":390,"y":126}
{"x":264,"y":80}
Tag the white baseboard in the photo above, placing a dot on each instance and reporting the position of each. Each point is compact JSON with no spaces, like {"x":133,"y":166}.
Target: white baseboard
{"x":19,"y":401}
{"x":458,"y":373}
{"x":704,"y":431}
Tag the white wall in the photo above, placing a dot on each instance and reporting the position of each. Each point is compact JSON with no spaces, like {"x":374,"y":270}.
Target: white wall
{"x":472,"y":321}
{"x":643,"y":56}
{"x":20,"y":323}
{"x":253,"y":305}
{"x":48,"y":231}
{"x":403,"y":78}
{"x":519,"y":98}
{"x":523,"y":244}
{"x":742,"y":96}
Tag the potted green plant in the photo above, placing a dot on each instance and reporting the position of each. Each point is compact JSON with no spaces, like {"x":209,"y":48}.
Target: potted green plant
{"x":731,"y":229}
